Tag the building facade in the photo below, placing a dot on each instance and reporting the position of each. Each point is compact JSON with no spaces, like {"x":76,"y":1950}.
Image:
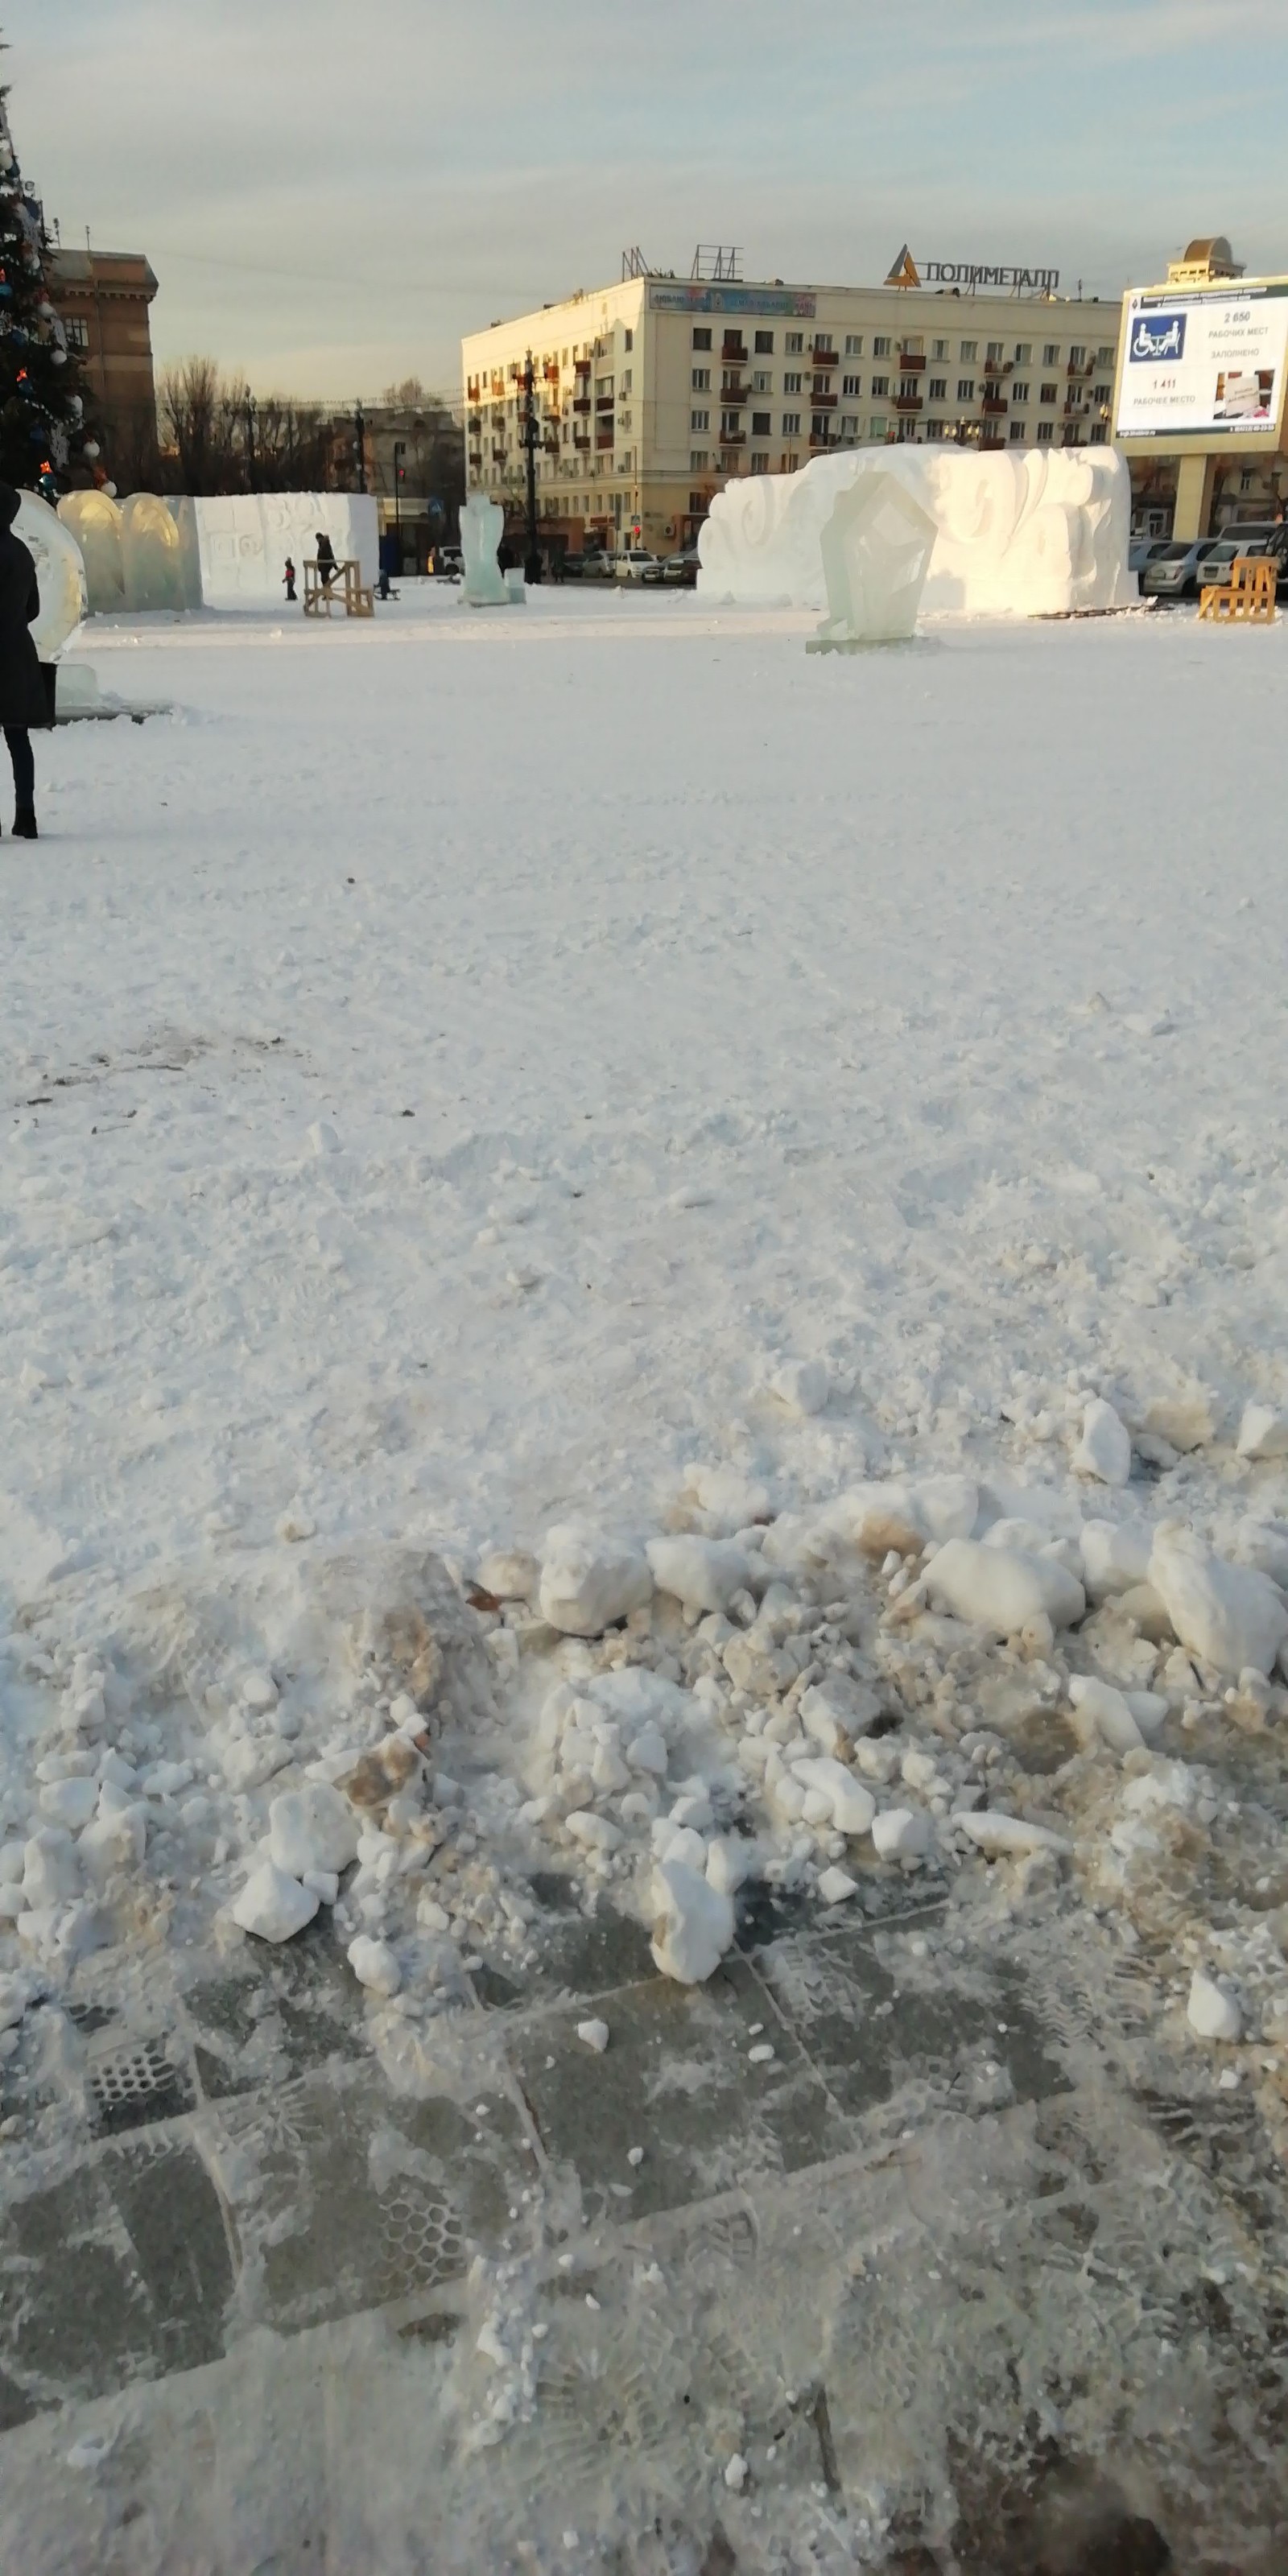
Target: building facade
{"x":653,"y":394}
{"x":1199,"y":401}
{"x":104,"y":298}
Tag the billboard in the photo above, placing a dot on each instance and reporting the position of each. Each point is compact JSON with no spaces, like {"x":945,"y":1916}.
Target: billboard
{"x":698,"y":296}
{"x":1204,"y":364}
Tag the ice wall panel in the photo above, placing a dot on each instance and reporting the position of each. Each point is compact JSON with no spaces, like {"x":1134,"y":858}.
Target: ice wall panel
{"x":1024,"y":535}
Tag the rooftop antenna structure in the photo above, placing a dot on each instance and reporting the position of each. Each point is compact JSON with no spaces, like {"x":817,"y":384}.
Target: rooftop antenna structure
{"x":634,"y":264}
{"x":719,"y":261}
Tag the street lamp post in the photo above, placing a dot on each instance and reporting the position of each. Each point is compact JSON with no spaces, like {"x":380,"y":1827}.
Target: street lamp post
{"x":250,"y":440}
{"x":360,"y":428}
{"x":400,"y":450}
{"x":532,"y":568}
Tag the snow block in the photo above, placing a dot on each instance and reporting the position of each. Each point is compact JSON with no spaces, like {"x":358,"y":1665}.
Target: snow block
{"x":1028,"y":535}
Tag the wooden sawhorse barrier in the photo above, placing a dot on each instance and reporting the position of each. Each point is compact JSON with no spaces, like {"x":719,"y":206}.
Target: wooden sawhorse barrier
{"x":346,"y":583}
{"x":1247,"y":598}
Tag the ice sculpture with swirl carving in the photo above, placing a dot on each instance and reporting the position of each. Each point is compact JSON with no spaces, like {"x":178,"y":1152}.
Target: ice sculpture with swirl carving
{"x":1029,"y":534}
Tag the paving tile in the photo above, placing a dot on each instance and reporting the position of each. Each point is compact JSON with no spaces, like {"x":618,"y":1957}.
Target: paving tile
{"x":276,"y":2013}
{"x":567,"y":1953}
{"x":871,"y":2018}
{"x":676,"y":2080}
{"x":366,"y":2197}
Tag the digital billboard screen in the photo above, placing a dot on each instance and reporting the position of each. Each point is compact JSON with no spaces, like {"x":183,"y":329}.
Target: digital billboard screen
{"x":1205,"y":363}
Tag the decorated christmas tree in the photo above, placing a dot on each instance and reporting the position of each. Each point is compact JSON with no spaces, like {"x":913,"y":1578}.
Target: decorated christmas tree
{"x":45,"y":439}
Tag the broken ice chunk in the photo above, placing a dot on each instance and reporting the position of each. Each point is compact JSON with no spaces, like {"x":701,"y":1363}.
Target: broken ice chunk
{"x":274,"y":1905}
{"x":693,"y":1924}
{"x":594,"y":2035}
{"x":1105,"y":1447}
{"x":1210,"y":2011}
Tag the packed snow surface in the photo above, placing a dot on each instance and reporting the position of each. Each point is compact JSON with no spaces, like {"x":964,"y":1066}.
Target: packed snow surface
{"x":625,"y":1252}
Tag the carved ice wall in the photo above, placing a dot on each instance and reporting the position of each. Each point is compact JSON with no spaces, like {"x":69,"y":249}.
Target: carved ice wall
{"x":1019,"y":535}
{"x":482,"y":524}
{"x":224,"y":551}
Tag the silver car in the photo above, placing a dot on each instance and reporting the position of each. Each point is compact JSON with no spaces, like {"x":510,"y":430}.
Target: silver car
{"x":1177,"y":572}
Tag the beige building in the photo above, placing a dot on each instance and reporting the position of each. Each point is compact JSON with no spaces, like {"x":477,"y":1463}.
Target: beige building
{"x":653,"y":394}
{"x":1199,"y":400}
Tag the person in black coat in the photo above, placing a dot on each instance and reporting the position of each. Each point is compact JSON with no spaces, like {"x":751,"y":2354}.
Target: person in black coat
{"x":327,"y":565}
{"x":24,"y":695}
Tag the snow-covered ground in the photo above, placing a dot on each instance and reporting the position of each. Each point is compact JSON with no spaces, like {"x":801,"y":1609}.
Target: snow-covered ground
{"x":475,"y":1074}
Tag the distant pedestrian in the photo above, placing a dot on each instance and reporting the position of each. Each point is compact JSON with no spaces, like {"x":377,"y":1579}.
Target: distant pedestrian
{"x":26,"y":694}
{"x":289,"y":578}
{"x":327,"y":565}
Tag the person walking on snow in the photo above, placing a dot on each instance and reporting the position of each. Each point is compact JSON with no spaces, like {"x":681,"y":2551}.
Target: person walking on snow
{"x":289,"y":578}
{"x":25,"y":698}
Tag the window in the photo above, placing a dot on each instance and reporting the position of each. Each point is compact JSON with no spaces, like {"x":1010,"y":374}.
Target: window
{"x":794,"y":343}
{"x":1019,"y":393}
{"x":880,"y":385}
{"x":879,"y":429}
{"x":1046,"y":431}
{"x":968,"y":348}
{"x":1051,"y":354}
{"x":764,"y":344}
{"x":939,"y":348}
{"x":1101,"y":394}
{"x":1047,"y":393}
{"x":880,"y":348}
{"x":909,"y":348}
{"x":1104,"y":357}
{"x":699,"y":420}
{"x":759,"y":461}
{"x":762,"y":382}
{"x":1018,"y":433}
{"x":701,"y":380}
{"x":77,"y":334}
{"x":730,"y":424}
{"x":993,"y":353}
{"x":819,"y":427}
{"x":697,"y":465}
{"x":937,"y":389}
{"x":1099,"y":433}
{"x":791,"y":384}
{"x":823,"y":341}
{"x":1023,"y":353}
{"x":965,"y":389}
{"x":791,"y":424}
{"x":697,"y":500}
{"x":626,"y":380}
{"x":851,"y":385}
{"x":701,"y":338}
{"x":854,"y":344}
{"x":760,"y":425}
{"x":849,"y":426}
{"x":1077,"y":357}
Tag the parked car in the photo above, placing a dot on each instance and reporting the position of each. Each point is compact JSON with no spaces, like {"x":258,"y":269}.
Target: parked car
{"x":592,"y":565}
{"x":1143,"y":550}
{"x":635,"y":563}
{"x":1177,"y":572}
{"x":677,"y":568}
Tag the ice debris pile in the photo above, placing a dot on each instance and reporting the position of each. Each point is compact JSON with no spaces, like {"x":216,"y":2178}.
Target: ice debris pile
{"x":925,"y":1675}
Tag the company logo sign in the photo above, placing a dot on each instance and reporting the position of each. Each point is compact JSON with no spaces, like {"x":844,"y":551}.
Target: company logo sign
{"x":1157,"y":336}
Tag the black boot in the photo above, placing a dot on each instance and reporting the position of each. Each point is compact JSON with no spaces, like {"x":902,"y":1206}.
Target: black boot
{"x":24,"y":824}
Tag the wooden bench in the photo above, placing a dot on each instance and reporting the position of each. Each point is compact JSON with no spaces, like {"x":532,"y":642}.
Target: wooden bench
{"x":1248,"y":596}
{"x":319,"y":595}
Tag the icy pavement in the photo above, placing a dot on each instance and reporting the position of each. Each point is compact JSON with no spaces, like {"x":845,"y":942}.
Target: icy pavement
{"x":642,"y":1288}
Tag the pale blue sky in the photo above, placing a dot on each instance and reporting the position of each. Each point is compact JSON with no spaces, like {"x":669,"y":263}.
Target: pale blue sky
{"x":330,"y":194}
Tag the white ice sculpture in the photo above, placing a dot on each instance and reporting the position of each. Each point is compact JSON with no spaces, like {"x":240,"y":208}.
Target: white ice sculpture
{"x":482,"y":523}
{"x":94,"y":520}
{"x":875,"y":546}
{"x":60,"y":574}
{"x":1030,"y":533}
{"x":152,"y":560}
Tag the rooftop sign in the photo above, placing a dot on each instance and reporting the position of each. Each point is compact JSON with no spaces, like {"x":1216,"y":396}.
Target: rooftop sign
{"x":1017,"y":281}
{"x":696,"y":295}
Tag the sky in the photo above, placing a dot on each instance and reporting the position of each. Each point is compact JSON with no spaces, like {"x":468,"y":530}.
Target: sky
{"x":331,"y":194}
